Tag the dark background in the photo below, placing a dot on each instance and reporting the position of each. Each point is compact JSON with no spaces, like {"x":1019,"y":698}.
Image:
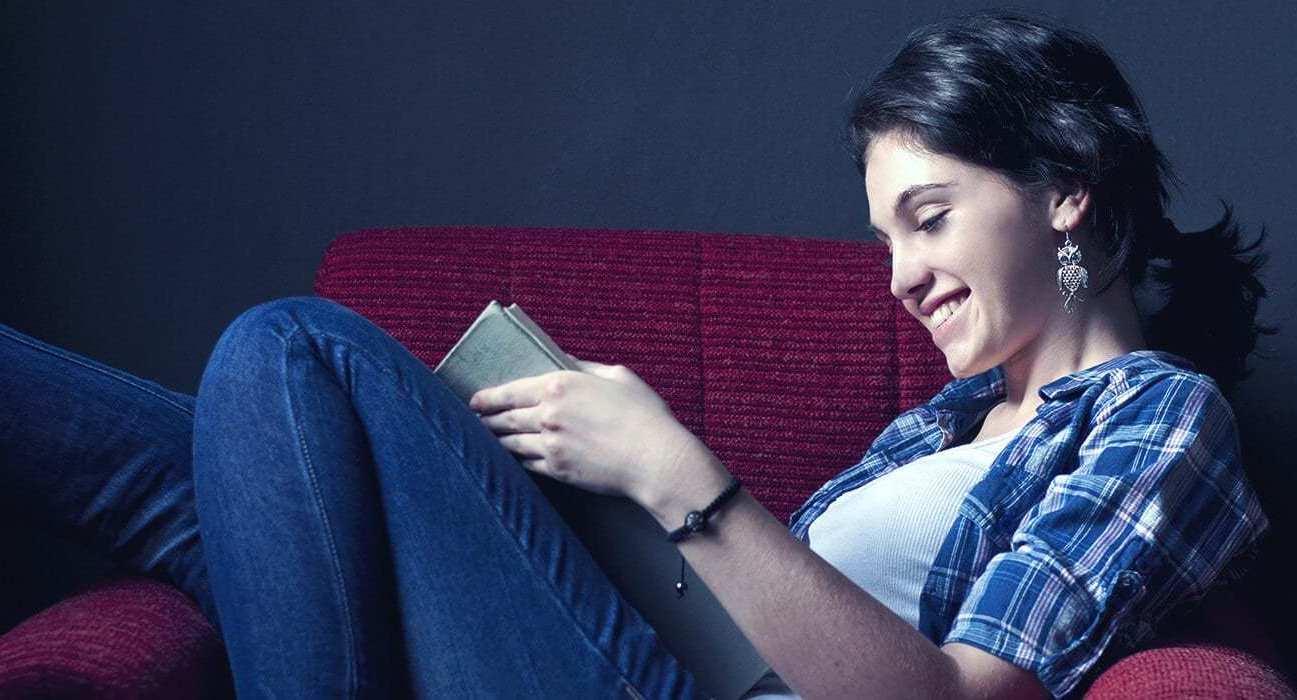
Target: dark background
{"x":167,"y":165}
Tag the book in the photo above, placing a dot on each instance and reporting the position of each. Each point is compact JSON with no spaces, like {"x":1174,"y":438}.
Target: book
{"x":632,"y":549}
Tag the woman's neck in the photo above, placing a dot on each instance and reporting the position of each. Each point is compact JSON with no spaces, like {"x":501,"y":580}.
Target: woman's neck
{"x":1100,"y":329}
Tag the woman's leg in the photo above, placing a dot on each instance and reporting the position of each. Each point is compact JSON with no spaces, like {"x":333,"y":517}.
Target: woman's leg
{"x":103,"y":456}
{"x":365,"y":532}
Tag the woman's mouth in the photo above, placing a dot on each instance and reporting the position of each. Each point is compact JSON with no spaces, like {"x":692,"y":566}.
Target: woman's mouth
{"x":944,"y":312}
{"x":947,"y":320}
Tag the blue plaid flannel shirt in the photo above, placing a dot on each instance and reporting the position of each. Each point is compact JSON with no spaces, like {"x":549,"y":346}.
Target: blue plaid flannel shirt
{"x":1121,"y":499}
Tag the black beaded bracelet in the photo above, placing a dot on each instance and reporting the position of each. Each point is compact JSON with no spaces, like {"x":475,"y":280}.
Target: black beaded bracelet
{"x":696,"y":521}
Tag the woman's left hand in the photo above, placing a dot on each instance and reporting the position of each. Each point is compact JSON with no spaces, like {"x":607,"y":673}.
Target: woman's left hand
{"x":602,"y":429}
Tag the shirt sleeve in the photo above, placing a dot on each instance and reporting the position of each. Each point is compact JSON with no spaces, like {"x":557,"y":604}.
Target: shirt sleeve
{"x":1155,"y":509}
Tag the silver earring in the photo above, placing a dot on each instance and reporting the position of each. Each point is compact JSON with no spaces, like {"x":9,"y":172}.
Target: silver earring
{"x":1071,"y":276}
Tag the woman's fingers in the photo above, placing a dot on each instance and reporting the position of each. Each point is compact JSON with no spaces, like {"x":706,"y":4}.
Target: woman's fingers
{"x":514,"y":420}
{"x":523,"y":444}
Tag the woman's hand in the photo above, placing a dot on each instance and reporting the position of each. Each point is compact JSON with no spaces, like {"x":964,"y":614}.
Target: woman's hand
{"x":602,"y":429}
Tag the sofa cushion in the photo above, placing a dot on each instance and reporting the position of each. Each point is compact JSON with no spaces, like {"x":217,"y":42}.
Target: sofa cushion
{"x":124,"y":637}
{"x":786,"y":356}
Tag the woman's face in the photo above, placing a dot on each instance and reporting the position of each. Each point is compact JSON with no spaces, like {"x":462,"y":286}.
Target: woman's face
{"x":960,"y":232}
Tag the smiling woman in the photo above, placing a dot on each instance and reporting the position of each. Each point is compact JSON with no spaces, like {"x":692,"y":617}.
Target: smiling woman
{"x":1011,"y":174}
{"x":1053,"y":503}
{"x":356,"y":530}
{"x":967,"y":236}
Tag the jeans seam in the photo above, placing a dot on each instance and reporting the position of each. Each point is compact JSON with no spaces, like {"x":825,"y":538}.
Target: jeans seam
{"x":111,"y":375}
{"x":481,"y":489}
{"x":312,"y":479}
{"x":549,"y":585}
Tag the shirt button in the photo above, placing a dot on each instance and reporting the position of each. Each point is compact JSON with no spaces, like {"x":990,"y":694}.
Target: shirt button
{"x":1129,"y":579}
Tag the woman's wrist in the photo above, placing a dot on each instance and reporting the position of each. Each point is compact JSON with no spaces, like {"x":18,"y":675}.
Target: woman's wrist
{"x":694,"y":479}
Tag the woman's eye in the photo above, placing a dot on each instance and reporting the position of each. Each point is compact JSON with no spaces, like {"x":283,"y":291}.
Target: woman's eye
{"x":934,"y":222}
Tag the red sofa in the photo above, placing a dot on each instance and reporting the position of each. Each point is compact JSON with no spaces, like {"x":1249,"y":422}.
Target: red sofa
{"x":787,"y":356}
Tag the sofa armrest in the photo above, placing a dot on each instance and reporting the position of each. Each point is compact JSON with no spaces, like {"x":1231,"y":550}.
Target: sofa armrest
{"x":1190,"y":670}
{"x":124,"y":637}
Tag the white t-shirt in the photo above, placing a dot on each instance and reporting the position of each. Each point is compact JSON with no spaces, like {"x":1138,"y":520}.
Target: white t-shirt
{"x":885,"y":534}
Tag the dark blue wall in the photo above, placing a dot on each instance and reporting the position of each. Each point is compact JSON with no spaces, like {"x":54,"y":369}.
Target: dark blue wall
{"x":167,"y":165}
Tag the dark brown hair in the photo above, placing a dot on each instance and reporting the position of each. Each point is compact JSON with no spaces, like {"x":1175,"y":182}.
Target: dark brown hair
{"x":1044,"y":105}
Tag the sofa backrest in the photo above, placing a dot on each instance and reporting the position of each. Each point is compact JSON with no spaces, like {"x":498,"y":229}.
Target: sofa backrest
{"x":786,"y":355}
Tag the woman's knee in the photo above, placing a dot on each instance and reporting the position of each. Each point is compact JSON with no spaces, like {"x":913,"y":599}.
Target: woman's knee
{"x":242,"y":395}
{"x":259,"y":331}
{"x":286,"y":315}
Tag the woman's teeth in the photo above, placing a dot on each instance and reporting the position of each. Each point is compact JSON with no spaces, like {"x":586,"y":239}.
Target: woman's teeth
{"x":947,"y":310}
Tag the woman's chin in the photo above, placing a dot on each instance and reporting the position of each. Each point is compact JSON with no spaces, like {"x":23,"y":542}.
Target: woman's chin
{"x":959,"y":372}
{"x":961,"y":366}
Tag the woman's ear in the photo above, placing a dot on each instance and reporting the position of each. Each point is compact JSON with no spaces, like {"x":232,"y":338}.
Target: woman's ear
{"x":1069,"y":205}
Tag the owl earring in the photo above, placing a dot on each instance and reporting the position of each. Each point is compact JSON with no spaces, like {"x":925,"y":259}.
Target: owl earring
{"x":1071,"y":276}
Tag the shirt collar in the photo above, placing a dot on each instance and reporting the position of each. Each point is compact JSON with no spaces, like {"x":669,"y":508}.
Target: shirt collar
{"x":1070,"y":384}
{"x":987,"y":389}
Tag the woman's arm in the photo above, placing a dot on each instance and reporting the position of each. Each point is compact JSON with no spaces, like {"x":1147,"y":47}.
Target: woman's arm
{"x":1156,"y":507}
{"x":825,"y":636}
{"x":607,"y":431}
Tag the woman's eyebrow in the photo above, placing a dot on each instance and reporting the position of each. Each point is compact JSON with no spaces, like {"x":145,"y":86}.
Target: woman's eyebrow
{"x":910,"y":193}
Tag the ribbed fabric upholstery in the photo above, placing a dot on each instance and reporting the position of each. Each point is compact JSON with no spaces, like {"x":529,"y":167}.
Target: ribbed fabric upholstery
{"x":786,"y":355}
{"x":123,"y":638}
{"x":780,"y":353}
{"x":1190,"y":671}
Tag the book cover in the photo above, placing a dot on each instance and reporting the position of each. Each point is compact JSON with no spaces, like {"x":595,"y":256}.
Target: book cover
{"x":504,"y":344}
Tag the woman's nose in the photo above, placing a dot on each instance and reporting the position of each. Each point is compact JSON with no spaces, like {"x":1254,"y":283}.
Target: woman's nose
{"x":909,"y":276}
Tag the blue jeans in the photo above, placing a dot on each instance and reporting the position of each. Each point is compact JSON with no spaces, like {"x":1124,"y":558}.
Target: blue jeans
{"x":349,"y":523}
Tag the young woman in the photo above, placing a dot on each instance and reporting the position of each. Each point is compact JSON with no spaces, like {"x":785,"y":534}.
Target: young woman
{"x":364,"y":534}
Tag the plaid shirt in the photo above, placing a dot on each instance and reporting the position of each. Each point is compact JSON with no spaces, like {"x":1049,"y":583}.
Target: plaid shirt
{"x":1123,"y":497}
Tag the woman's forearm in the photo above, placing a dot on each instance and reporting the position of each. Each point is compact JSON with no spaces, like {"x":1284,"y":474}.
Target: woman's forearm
{"x":825,"y":636}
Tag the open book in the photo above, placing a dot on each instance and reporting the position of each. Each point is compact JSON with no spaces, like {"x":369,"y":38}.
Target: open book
{"x":502,"y":345}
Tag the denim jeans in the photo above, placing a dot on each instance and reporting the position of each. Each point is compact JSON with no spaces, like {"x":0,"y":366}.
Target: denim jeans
{"x":346,"y":520}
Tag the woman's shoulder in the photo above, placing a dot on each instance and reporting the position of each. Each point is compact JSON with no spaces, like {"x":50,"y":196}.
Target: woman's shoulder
{"x":1118,"y":380}
{"x":1158,"y":393}
{"x":1148,"y":374}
